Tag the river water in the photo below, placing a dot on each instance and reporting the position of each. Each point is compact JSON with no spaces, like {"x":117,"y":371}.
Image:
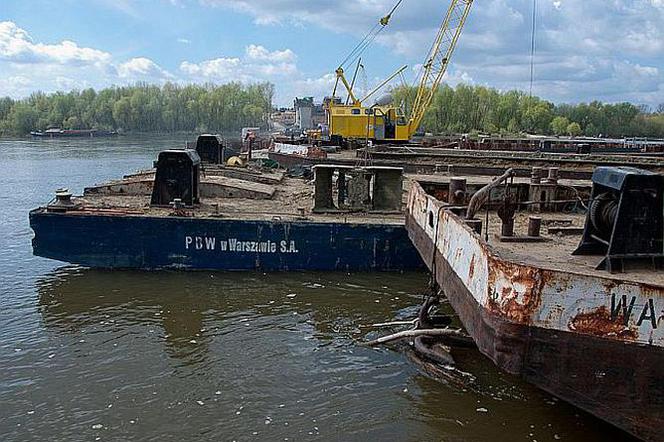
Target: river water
{"x":98,"y":355}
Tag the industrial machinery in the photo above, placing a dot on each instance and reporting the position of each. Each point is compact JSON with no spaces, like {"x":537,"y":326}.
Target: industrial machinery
{"x":625,"y":219}
{"x":384,"y":122}
{"x":210,"y":148}
{"x":177,"y":180}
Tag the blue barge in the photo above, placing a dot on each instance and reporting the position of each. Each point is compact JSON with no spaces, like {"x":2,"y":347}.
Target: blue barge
{"x":188,"y":215}
{"x":149,"y":242}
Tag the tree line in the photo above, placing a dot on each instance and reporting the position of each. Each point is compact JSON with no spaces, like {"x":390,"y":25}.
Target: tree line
{"x":142,"y":108}
{"x":467,"y":109}
{"x":229,"y":107}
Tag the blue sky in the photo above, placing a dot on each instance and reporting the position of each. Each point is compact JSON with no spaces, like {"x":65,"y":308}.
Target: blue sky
{"x":593,"y":49}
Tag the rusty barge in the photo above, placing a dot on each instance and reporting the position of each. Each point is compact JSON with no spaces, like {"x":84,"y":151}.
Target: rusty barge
{"x":577,"y":311}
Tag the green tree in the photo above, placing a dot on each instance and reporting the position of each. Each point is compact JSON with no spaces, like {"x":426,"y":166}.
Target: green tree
{"x":590,"y":130}
{"x":574,"y":129}
{"x":122,"y":113}
{"x":72,"y":123}
{"x":559,"y":125}
{"x":228,"y":107}
{"x":6,"y":104}
{"x":23,"y":117}
{"x":513,"y":127}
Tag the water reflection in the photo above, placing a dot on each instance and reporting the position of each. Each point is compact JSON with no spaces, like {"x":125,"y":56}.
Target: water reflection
{"x":188,"y":309}
{"x":285,"y":345}
{"x":75,"y":300}
{"x":230,"y":356}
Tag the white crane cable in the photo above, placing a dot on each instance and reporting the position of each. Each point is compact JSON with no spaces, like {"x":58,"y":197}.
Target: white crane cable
{"x":532,"y":48}
{"x":369,"y":37}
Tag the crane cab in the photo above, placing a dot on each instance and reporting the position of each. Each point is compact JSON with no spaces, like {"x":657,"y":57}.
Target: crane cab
{"x":381,"y":124}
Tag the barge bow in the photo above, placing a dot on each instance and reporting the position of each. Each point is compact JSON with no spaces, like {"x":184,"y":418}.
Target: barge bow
{"x":591,"y":338}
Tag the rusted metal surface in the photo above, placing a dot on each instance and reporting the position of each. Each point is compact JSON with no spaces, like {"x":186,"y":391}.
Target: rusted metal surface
{"x":211,"y":187}
{"x":601,"y":323}
{"x":515,"y":291}
{"x":501,"y":158}
{"x":539,"y":296}
{"x":591,"y":339}
{"x":131,"y":186}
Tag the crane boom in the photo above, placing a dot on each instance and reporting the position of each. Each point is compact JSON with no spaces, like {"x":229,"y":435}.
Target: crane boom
{"x":438,"y":59}
{"x":385,"y":122}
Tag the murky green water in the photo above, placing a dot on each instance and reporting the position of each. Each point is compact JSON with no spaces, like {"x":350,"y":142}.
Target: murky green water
{"x":96,"y":355}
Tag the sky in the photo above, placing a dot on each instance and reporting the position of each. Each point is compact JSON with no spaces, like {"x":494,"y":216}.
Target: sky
{"x":607,"y":50}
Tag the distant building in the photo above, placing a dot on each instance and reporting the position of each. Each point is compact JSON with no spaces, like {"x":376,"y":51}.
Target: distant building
{"x":283,"y":116}
{"x":304,"y":112}
{"x":319,"y":118}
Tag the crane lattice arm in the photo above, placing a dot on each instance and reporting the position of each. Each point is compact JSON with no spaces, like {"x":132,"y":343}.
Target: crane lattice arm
{"x":438,"y":59}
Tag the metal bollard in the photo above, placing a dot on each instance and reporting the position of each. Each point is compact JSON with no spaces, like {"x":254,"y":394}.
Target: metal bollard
{"x":507,"y":229}
{"x":534,"y":226}
{"x":457,"y":191}
{"x":536,"y":175}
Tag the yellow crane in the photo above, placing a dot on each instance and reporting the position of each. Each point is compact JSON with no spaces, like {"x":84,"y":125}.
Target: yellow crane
{"x":384,"y":122}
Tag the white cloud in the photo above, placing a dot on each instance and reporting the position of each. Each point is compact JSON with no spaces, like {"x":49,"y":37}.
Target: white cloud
{"x":17,"y":86}
{"x":66,"y":83}
{"x":28,"y":66}
{"x":255,"y":52}
{"x":66,"y":66}
{"x":313,"y":87}
{"x":184,"y":41}
{"x":257,"y":64}
{"x":142,"y":67}
{"x":16,"y":46}
{"x":595,"y":49}
{"x":581,"y":46}
{"x":218,"y":68}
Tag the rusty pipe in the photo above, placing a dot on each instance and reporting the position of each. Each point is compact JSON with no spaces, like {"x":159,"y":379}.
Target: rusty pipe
{"x":481,"y":197}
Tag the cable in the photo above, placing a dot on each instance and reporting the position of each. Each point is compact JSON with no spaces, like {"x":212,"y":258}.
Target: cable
{"x":408,"y":96}
{"x":369,"y":37}
{"x":394,"y":9}
{"x":532,"y":48}
{"x":355,"y":49}
{"x":365,"y":46}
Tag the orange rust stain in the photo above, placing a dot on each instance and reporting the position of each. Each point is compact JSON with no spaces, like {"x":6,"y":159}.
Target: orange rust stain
{"x":600,"y":323}
{"x":440,"y":194}
{"x":471,"y":268}
{"x":648,"y":291}
{"x":610,"y":285}
{"x":517,"y":306}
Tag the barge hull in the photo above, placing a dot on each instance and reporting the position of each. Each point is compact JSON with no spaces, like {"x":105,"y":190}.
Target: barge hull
{"x":152,"y":242}
{"x":615,"y":377}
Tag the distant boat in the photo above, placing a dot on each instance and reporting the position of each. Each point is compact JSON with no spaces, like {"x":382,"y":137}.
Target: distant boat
{"x":71,"y":133}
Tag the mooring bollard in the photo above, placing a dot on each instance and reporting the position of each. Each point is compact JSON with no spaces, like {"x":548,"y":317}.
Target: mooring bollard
{"x":507,"y":229}
{"x":457,"y":191}
{"x":536,"y":175}
{"x":534,"y":226}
